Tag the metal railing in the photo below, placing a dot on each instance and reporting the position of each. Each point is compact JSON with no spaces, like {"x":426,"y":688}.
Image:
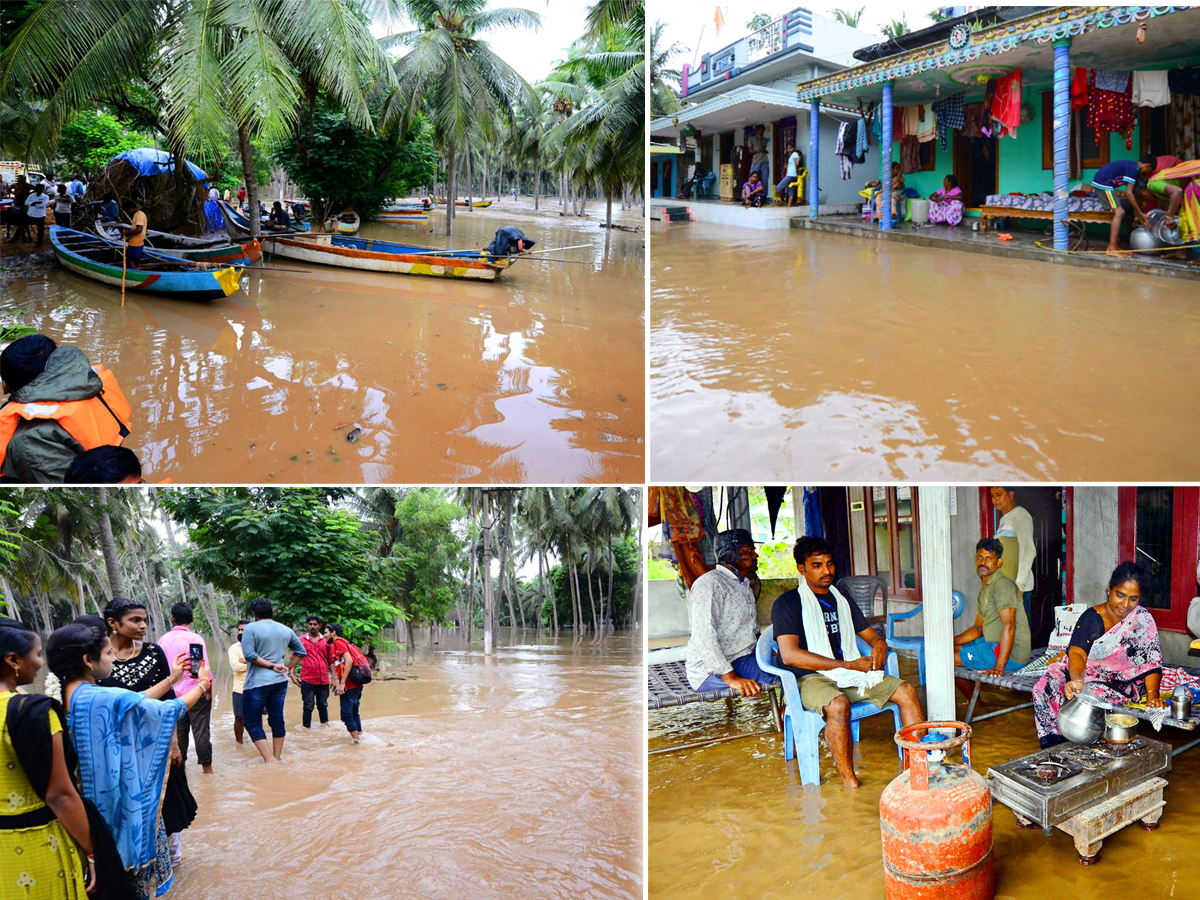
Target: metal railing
{"x":764,"y":42}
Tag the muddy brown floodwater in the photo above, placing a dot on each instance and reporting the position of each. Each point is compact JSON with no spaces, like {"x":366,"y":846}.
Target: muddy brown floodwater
{"x":538,"y":377}
{"x":732,"y":820}
{"x":795,"y":351}
{"x":519,"y":776}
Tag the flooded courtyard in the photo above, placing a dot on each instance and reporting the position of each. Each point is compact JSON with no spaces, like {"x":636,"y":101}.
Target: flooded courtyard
{"x":733,"y":820}
{"x":872,"y":360}
{"x":516,"y":776}
{"x":538,"y":377}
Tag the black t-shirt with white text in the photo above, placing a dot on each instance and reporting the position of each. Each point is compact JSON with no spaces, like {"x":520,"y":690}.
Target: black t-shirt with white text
{"x":787,"y":618}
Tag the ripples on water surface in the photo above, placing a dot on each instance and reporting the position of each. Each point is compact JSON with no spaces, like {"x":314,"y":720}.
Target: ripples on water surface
{"x":732,"y":820}
{"x":800,"y":352}
{"x":537,"y":377}
{"x":515,"y":777}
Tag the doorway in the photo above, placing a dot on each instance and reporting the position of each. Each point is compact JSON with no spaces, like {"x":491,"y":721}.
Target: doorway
{"x":668,"y":185}
{"x":975,"y":165}
{"x":727,"y":148}
{"x":1046,"y":506}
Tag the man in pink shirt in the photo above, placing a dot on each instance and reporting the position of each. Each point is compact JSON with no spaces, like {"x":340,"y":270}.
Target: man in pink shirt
{"x":314,"y":672}
{"x":179,"y":640}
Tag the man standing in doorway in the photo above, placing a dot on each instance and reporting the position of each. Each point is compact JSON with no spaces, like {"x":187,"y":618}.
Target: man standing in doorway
{"x":179,"y":640}
{"x":1015,"y":532}
{"x":759,"y":161}
{"x":314,"y":672}
{"x":815,"y":627}
{"x":724,"y":621}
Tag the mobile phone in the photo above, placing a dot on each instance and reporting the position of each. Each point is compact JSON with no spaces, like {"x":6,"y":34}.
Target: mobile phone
{"x":196,"y":652}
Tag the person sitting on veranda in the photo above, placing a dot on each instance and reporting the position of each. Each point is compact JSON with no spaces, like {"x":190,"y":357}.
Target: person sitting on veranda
{"x":815,"y":627}
{"x":279,"y":220}
{"x":897,"y":193}
{"x":945,"y":204}
{"x":1114,"y":649}
{"x":999,"y":641}
{"x":724,"y":621}
{"x":753,"y":191}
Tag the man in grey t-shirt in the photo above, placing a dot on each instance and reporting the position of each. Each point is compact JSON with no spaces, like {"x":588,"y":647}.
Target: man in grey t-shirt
{"x":759,"y":161}
{"x":265,"y":642}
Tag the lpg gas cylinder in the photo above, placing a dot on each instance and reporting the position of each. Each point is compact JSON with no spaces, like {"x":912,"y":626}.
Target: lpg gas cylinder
{"x":936,"y":819}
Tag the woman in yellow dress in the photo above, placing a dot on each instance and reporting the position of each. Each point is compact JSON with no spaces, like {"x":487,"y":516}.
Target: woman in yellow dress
{"x":45,"y":839}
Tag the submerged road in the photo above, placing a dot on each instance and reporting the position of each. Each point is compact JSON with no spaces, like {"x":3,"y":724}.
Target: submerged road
{"x":781,"y":354}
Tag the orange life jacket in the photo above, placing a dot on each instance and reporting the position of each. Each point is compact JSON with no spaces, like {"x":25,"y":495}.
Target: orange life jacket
{"x":97,"y":422}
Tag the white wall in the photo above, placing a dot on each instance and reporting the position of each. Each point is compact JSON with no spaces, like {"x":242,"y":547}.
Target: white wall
{"x":1095,"y":542}
{"x":666,"y":611}
{"x":829,"y":177}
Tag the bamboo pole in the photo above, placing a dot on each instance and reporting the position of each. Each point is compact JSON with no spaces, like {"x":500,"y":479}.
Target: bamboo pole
{"x":124,"y":246}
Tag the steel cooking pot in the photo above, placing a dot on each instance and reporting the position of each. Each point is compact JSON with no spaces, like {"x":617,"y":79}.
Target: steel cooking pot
{"x":1120,"y":728}
{"x":1081,"y":720}
{"x":1181,"y":703}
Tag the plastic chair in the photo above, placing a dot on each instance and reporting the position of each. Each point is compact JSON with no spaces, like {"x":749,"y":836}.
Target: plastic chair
{"x":916,"y":643}
{"x":802,"y":727}
{"x":861,"y":590}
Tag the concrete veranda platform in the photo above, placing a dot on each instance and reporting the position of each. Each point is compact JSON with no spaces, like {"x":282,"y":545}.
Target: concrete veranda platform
{"x":1023,"y":245}
{"x":726,"y":212}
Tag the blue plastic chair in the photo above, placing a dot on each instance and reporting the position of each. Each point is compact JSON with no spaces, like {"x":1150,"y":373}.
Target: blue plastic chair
{"x":917,"y":642}
{"x":802,"y":727}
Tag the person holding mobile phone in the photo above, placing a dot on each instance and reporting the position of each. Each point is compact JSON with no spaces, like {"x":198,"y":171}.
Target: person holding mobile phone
{"x":182,"y":639}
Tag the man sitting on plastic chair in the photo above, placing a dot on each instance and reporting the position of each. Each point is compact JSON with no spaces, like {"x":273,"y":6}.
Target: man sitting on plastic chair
{"x":815,"y":628}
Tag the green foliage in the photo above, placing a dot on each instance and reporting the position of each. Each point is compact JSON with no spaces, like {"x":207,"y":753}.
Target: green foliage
{"x":661,"y":570}
{"x":231,"y":176}
{"x":418,"y":575}
{"x":339,"y":165}
{"x":10,"y":541}
{"x":849,"y":17}
{"x":91,"y":139}
{"x":759,"y":20}
{"x":292,"y":546}
{"x":939,"y":15}
{"x":625,"y":559}
{"x":897,"y":28}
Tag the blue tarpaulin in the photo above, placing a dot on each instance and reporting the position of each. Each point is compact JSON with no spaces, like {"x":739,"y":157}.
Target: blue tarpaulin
{"x":148,"y":161}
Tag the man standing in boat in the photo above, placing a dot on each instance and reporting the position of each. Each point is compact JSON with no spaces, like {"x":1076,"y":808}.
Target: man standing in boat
{"x":135,"y":234}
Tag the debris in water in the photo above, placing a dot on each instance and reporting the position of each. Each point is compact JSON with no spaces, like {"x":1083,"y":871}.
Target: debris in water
{"x":353,"y":435}
{"x":441,"y":385}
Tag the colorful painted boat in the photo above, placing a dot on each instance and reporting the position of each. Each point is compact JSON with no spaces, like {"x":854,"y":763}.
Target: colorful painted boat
{"x":478,"y":204}
{"x":380,"y":256}
{"x":246,"y":252}
{"x":89,"y":256}
{"x":244,"y":222}
{"x":417,"y":215}
{"x":348,"y":222}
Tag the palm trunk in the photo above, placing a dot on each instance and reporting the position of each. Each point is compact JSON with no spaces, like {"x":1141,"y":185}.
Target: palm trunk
{"x":488,"y":600}
{"x":108,"y":546}
{"x":637,"y":588}
{"x":470,"y":184}
{"x":471,"y":592}
{"x":592,"y":601}
{"x":608,"y":211}
{"x":247,"y":152}
{"x":541,"y":601}
{"x":537,"y":174}
{"x":208,"y":603}
{"x":10,"y":602}
{"x":409,"y":640}
{"x":451,"y":191}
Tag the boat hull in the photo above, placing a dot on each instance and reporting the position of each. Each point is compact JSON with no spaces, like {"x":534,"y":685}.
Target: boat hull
{"x":193,"y":285}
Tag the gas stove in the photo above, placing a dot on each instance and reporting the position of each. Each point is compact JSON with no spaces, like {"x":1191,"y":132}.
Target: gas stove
{"x":1051,"y":786}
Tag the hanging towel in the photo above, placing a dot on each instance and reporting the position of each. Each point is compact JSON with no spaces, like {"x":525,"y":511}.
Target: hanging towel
{"x":927,"y":128}
{"x":1079,"y":88}
{"x":1006,"y":104}
{"x":862,"y":142}
{"x":1112,"y":80}
{"x":1184,"y":81}
{"x":897,"y":123}
{"x":949,"y":114}
{"x":912,"y":121}
{"x":839,"y":148}
{"x":1150,"y":89}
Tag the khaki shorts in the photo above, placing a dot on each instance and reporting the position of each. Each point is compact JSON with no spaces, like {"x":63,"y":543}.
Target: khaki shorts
{"x":817,"y":691}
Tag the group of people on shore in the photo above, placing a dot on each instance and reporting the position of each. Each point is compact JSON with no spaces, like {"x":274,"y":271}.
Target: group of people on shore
{"x":30,"y":202}
{"x":93,"y":771}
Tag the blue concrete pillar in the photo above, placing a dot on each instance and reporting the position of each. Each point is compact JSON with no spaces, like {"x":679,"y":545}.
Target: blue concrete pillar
{"x":814,"y":153}
{"x":885,"y":145}
{"x":1062,"y":132}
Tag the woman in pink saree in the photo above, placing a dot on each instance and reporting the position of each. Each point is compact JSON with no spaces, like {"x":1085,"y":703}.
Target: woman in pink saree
{"x":946,"y":204}
{"x":1114,"y":649}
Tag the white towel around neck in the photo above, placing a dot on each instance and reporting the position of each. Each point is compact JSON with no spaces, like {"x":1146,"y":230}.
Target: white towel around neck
{"x":818,"y":638}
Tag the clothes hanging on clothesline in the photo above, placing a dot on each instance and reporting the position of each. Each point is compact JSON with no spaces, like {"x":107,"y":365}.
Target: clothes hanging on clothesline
{"x":910,"y":154}
{"x":1113,"y":80}
{"x":949,"y":113}
{"x":972,"y":120}
{"x":1150,"y":89}
{"x":989,"y":97}
{"x":1006,"y":104}
{"x":1110,"y":110}
{"x":926,"y":124}
{"x":1184,"y":81}
{"x":911,"y":123}
{"x":1079,"y":88}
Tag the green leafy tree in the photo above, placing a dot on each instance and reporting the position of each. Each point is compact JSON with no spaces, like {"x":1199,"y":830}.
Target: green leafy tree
{"x":293,"y":546}
{"x":339,"y":165}
{"x":897,"y":28}
{"x":849,"y":17}
{"x":939,"y":15}
{"x":91,"y":139}
{"x":759,"y":20}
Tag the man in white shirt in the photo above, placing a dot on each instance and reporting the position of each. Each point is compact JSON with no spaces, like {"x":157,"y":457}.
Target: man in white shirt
{"x":724,"y":620}
{"x":1015,"y":532}
{"x":35,"y":209}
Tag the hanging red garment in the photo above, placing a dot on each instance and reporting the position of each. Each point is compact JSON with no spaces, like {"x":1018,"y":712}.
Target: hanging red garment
{"x":1006,"y":104}
{"x":1111,"y":111}
{"x":1079,"y":88}
{"x":897,"y":122}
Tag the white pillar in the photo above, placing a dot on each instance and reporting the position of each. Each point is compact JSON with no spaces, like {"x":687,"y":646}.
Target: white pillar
{"x":937,"y":602}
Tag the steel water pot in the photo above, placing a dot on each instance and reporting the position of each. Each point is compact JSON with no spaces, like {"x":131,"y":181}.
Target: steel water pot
{"x":1081,"y":720}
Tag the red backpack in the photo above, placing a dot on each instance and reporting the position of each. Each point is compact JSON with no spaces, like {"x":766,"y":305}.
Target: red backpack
{"x":360,"y":668}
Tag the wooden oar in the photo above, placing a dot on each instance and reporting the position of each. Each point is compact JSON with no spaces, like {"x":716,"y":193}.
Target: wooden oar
{"x":582,"y":262}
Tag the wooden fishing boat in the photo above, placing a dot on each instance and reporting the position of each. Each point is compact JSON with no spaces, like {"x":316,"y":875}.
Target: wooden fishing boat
{"x":246,"y":252}
{"x":381,"y":256}
{"x":417,"y":215}
{"x":89,"y":256}
{"x":478,"y":204}
{"x":244,"y":222}
{"x":348,"y":222}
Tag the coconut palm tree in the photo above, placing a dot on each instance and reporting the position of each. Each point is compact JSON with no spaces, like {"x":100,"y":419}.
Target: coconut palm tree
{"x":849,"y":17}
{"x":455,"y":74}
{"x":664,"y":82}
{"x":216,"y":68}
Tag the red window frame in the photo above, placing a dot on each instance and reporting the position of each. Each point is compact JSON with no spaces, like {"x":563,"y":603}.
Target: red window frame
{"x":1184,"y":530}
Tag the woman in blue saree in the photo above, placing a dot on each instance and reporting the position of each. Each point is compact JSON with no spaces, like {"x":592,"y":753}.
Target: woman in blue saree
{"x":123,"y":741}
